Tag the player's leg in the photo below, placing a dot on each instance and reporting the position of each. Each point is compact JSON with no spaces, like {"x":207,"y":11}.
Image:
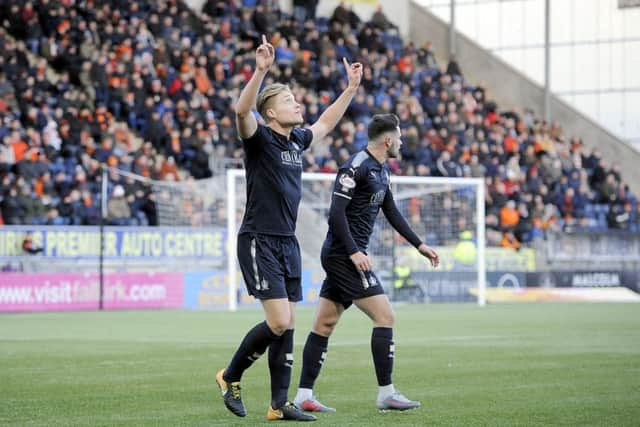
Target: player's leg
{"x":253,"y":345}
{"x":335,"y":297}
{"x":259,"y":337}
{"x":261,"y":278}
{"x":281,"y":357}
{"x":379,"y":310}
{"x":315,"y":352}
{"x":377,"y":307}
{"x":281,"y":350}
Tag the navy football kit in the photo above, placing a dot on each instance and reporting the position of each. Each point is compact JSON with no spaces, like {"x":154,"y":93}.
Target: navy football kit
{"x":268,"y":251}
{"x":361,"y":189}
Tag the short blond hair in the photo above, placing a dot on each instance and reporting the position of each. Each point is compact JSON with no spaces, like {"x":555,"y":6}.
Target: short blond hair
{"x":267,"y":93}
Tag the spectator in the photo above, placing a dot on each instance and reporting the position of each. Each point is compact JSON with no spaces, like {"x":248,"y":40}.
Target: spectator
{"x":380,"y":21}
{"x":447,"y":167}
{"x":172,"y":77}
{"x":509,"y":216}
{"x":620,"y":216}
{"x":509,"y":241}
{"x":305,"y":9}
{"x":28,"y":246}
{"x":13,"y":210}
{"x":118,"y":211}
{"x":453,"y":69}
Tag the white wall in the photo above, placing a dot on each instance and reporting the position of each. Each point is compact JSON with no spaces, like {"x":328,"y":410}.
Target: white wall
{"x":595,"y":51}
{"x":195,"y":5}
{"x":511,"y":88}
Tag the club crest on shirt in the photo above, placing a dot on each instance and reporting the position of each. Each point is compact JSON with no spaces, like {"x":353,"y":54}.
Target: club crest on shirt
{"x":385,"y":176}
{"x":373,"y":281}
{"x":347,"y":182}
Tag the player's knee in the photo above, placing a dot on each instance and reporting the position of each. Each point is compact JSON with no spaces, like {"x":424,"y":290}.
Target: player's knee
{"x":325,"y":327}
{"x":278,"y":325}
{"x":278,"y":329}
{"x":385,"y":320}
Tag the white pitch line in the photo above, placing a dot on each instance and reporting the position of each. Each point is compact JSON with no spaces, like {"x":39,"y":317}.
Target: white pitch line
{"x":336,"y":342}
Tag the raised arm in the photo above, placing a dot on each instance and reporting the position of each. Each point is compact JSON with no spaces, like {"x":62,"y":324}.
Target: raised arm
{"x":399,"y":224}
{"x":246,"y":122}
{"x":332,"y":115}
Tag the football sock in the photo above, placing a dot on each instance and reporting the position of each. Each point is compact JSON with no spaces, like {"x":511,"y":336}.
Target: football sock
{"x":251,"y":348}
{"x":313,"y":355}
{"x":382,"y":350}
{"x":385,"y":391}
{"x":280,"y":366}
{"x":303,"y":394}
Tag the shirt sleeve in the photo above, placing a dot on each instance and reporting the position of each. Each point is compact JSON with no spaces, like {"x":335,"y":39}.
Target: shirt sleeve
{"x":397,"y":221}
{"x":345,"y":183}
{"x":257,"y":140}
{"x":339,"y":224}
{"x":343,"y":191}
{"x":304,"y":136}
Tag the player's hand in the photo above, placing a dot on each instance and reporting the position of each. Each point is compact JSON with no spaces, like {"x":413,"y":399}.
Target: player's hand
{"x":265,"y":55}
{"x":429,"y":253}
{"x":361,"y":261}
{"x":354,"y":73}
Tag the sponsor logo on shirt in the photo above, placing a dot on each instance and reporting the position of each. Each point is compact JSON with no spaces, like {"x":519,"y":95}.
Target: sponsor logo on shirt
{"x":377,"y":197}
{"x":291,"y":158}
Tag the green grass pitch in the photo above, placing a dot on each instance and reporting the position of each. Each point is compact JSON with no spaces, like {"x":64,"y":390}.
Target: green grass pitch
{"x":501,"y":365}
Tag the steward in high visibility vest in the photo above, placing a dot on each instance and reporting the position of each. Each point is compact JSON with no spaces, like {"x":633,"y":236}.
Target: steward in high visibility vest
{"x":402,"y":276}
{"x":465,"y":251}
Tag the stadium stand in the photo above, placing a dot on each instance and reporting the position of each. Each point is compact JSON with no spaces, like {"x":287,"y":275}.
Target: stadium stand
{"x":148,"y":87}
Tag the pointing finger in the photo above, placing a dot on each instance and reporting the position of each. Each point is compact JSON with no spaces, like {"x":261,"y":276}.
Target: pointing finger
{"x":264,"y":39}
{"x":345,"y":62}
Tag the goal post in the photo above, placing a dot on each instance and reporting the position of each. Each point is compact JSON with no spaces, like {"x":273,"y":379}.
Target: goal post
{"x":442,"y":211}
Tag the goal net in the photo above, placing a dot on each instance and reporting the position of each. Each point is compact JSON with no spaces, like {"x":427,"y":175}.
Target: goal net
{"x":188,"y":203}
{"x":447,"y":214}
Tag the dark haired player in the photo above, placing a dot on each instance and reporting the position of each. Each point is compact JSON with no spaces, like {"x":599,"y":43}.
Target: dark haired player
{"x":360,"y":190}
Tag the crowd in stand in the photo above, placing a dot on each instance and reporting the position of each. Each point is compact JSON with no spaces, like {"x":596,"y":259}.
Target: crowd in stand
{"x":80,"y":81}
